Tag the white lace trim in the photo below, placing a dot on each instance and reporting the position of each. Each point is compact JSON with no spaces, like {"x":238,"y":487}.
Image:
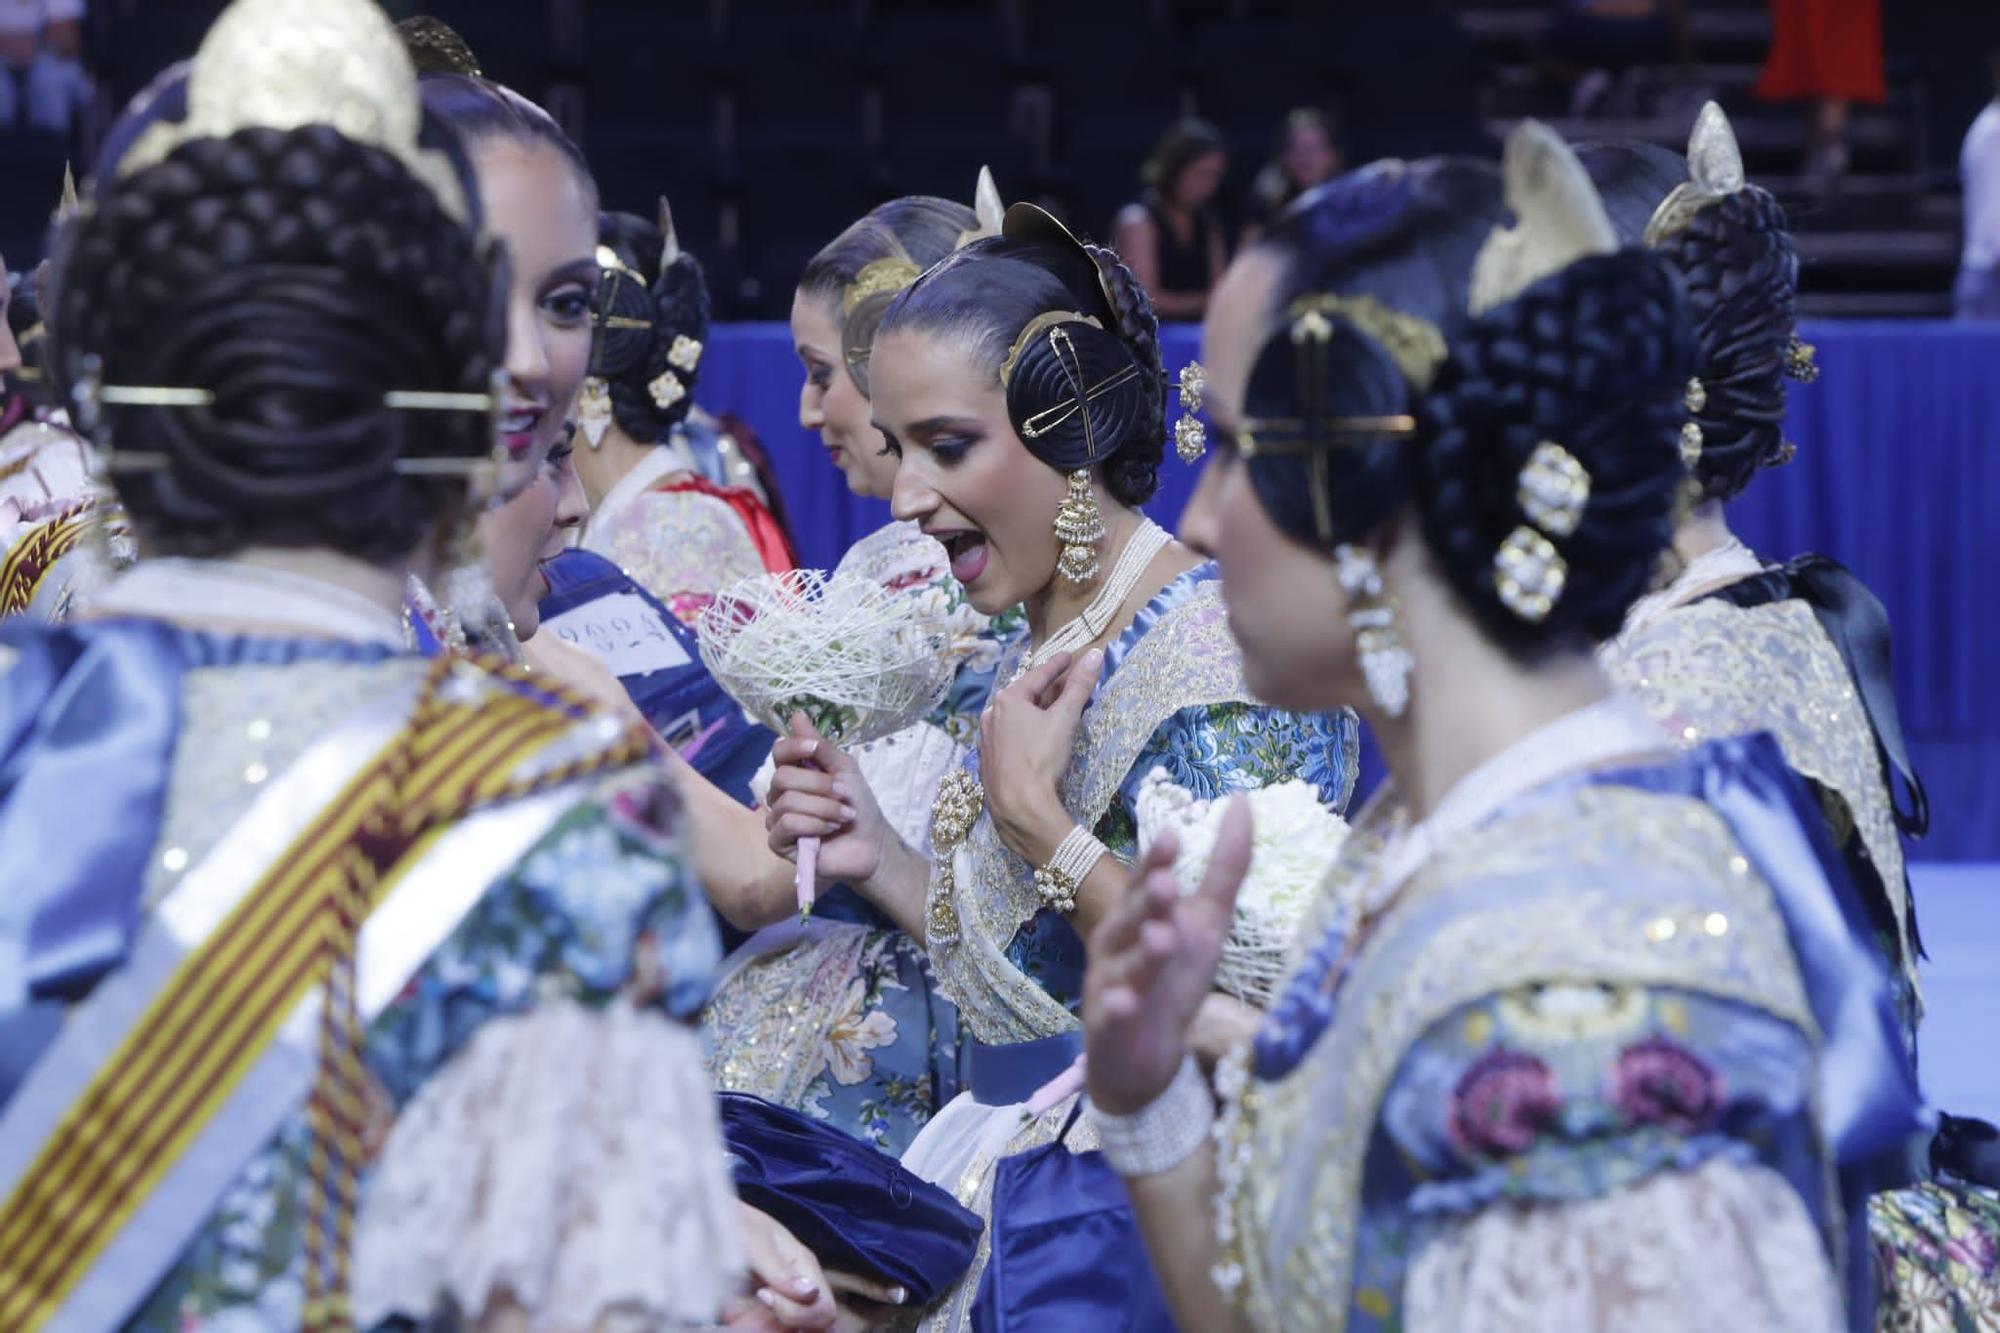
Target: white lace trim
{"x":1723,"y":1247}
{"x":567,"y":1159}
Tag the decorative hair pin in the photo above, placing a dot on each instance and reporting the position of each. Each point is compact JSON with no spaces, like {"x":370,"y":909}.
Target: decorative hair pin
{"x":1190,"y":436}
{"x":1694,"y":400}
{"x":1561,"y":220}
{"x":1314,"y":435}
{"x":91,"y":395}
{"x":1553,"y":491}
{"x":1801,"y":360}
{"x":1050,"y":324}
{"x":1414,"y":344}
{"x":1715,"y":171}
{"x":989,"y":213}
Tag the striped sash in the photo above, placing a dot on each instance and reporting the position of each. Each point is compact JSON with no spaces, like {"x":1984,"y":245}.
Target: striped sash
{"x":183,"y":1064}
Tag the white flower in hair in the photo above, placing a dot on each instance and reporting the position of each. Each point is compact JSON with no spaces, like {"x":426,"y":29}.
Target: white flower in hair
{"x":1295,"y":839}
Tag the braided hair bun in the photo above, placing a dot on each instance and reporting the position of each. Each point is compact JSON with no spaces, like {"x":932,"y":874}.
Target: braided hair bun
{"x":1740,"y":270}
{"x":1594,"y":359}
{"x":650,"y":334}
{"x":299,"y":276}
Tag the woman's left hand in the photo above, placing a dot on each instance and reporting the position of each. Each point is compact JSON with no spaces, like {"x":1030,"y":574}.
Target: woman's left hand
{"x":1026,"y":736}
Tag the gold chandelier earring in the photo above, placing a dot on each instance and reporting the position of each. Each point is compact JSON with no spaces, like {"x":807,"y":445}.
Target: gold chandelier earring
{"x":1080,"y":528}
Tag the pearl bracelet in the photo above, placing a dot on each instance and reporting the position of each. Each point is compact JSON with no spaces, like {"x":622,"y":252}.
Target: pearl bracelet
{"x":1163,"y":1133}
{"x":1076,"y":856}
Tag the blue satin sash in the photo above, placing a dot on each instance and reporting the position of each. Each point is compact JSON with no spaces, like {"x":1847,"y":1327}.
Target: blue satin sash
{"x":89,"y":715}
{"x":1869,"y":1105}
{"x":1004,"y":1074}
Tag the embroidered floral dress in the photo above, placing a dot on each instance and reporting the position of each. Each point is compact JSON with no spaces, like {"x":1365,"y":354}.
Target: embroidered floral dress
{"x":1734,"y":647}
{"x":1569,"y":1071}
{"x":536,"y":1118}
{"x":682,"y":537}
{"x":1171,"y":696}
{"x":840,"y":1018}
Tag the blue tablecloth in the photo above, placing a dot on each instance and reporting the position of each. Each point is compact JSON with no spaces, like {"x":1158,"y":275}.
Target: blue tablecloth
{"x":1897,"y":477}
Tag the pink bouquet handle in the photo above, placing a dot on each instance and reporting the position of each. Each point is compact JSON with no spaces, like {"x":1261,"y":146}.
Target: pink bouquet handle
{"x":808,"y":876}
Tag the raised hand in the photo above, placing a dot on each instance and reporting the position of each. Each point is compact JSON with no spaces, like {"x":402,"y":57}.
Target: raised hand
{"x":1152,"y":966}
{"x":1025,"y":741}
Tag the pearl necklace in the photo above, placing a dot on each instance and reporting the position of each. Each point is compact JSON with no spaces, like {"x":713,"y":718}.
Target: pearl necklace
{"x":1140,"y":548}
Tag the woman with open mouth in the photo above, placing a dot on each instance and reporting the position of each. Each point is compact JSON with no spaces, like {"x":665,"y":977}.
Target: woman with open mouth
{"x":1017,"y":387}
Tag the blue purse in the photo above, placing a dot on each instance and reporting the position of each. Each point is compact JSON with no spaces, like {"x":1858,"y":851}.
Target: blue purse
{"x":854,"y":1206}
{"x":1066,"y":1250}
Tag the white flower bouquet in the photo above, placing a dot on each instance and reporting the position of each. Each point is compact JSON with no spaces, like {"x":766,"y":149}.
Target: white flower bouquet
{"x":1295,"y":841}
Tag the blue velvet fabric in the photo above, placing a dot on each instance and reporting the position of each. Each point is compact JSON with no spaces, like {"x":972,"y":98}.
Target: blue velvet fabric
{"x":1066,"y":1250}
{"x":684,"y":703}
{"x":1895,"y":478}
{"x":851,"y":1204}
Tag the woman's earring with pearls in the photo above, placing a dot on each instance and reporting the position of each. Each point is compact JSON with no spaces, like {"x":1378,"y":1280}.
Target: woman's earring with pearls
{"x":1385,"y":662}
{"x":1079,"y":527}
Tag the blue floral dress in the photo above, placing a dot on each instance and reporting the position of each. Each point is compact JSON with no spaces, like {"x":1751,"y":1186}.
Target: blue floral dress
{"x":598,"y":926}
{"x":841,"y":1018}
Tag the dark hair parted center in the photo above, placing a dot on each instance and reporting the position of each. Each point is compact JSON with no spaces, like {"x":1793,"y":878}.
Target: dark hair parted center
{"x":988,"y":293}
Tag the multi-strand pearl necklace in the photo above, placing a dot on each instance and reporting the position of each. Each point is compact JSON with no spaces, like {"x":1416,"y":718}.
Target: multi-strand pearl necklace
{"x":1140,"y":548}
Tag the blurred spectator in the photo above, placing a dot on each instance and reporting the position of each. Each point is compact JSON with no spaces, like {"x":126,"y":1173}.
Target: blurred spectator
{"x":1591,"y":45}
{"x":1172,"y":238}
{"x":1977,"y":295}
{"x":1827,"y":53}
{"x":1307,"y":155}
{"x":42,"y":83}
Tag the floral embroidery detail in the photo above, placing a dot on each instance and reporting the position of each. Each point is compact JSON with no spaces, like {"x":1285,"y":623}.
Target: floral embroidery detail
{"x":854,"y":1033}
{"x":1937,"y":1257}
{"x":1503,"y":1104}
{"x":1660,"y":1082}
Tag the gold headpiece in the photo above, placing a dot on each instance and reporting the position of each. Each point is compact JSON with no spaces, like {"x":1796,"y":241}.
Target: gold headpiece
{"x":285,"y":64}
{"x":1558,"y":218}
{"x":879,"y":277}
{"x":1715,"y":171}
{"x":1317,"y":434}
{"x":1414,"y":344}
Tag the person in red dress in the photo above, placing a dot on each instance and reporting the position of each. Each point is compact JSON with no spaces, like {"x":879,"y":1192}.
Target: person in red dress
{"x":1827,"y":53}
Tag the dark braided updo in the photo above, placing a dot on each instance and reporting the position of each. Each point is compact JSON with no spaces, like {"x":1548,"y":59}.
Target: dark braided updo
{"x":673,"y":304}
{"x":299,"y":276}
{"x":988,"y":292}
{"x":1738,"y":265}
{"x":1592,"y":357}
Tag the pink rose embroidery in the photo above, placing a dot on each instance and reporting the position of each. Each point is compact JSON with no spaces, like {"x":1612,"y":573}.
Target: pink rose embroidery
{"x":1502,"y":1105}
{"x":1659,"y":1082}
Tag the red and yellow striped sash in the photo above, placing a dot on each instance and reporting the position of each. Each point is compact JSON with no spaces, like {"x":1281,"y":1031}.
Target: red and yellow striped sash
{"x":31,"y":559}
{"x":229,"y":997}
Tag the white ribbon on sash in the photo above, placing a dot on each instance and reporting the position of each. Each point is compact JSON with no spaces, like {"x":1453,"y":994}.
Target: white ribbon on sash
{"x":420,"y":913}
